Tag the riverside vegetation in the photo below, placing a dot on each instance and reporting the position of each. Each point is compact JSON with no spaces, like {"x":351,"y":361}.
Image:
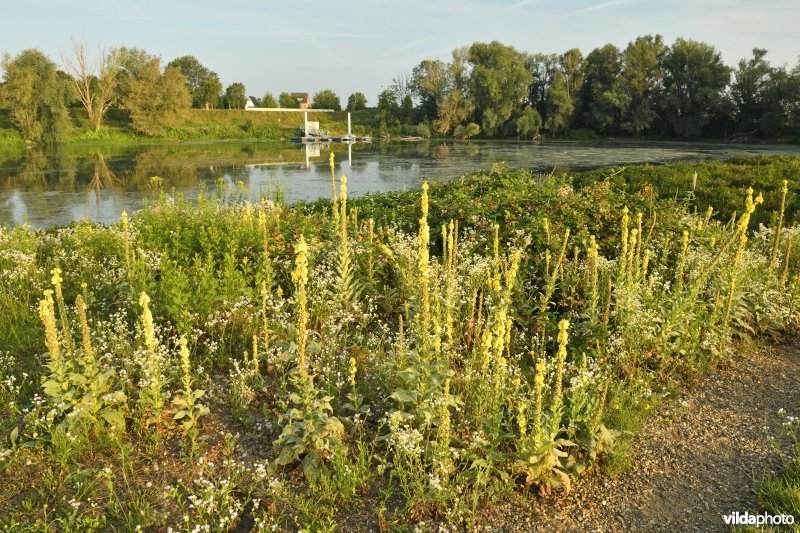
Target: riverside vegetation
{"x":400,"y":360}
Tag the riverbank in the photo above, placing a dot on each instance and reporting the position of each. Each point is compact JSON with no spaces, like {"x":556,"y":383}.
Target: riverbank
{"x":193,"y":125}
{"x":201,"y":125}
{"x":372,"y":366}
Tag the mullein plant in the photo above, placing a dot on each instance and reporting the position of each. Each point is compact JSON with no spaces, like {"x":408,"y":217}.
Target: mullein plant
{"x":86,"y":397}
{"x":152,"y":380}
{"x":347,"y":288}
{"x":541,"y":450}
{"x":310,"y":434}
{"x":776,"y":236}
{"x":187,"y":410}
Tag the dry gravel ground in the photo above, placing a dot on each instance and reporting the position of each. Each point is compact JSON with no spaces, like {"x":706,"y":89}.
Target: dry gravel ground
{"x":701,"y":459}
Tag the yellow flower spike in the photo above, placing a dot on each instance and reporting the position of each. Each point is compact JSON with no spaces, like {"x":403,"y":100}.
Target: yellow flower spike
{"x":522,"y":422}
{"x":62,"y":309}
{"x":300,"y":278}
{"x":255,"y":354}
{"x":185,"y":364}
{"x":444,"y":419}
{"x":561,"y":356}
{"x":331,"y":162}
{"x":88,"y":352}
{"x":48,"y":315}
{"x":539,"y":381}
{"x":352,"y":372}
{"x":57,"y":279}
{"x":147,"y":322}
{"x":496,"y":243}
{"x":424,"y":201}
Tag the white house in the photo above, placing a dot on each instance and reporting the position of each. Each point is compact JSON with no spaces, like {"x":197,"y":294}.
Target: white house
{"x":252,"y":102}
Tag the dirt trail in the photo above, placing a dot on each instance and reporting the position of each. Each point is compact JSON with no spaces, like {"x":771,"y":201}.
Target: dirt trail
{"x":697,"y":462}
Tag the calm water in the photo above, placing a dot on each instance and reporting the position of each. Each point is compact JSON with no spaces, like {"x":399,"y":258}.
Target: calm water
{"x":76,"y":182}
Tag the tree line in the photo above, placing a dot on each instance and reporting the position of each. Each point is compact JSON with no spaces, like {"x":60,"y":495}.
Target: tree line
{"x":39,"y":92}
{"x":683,"y":90}
{"x":648,"y":88}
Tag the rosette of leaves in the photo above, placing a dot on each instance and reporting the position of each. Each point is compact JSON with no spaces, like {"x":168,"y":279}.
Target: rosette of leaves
{"x":539,"y":460}
{"x":311,"y":433}
{"x":87,"y":399}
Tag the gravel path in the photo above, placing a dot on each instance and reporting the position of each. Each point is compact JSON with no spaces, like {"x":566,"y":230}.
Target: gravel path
{"x":698,"y":461}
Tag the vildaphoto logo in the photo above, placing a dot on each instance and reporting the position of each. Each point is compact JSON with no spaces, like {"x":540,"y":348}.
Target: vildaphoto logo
{"x":746,"y":519}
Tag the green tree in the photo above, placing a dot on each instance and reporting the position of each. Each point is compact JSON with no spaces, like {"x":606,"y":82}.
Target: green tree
{"x":528,"y":123}
{"x":38,"y":96}
{"x":287,"y":101}
{"x":430,"y":82}
{"x":542,"y":68}
{"x":203,"y":84}
{"x":388,"y":108}
{"x":781,"y":103}
{"x":5,"y":99}
{"x":152,"y":98}
{"x":560,"y":105}
{"x":466,"y":131}
{"x":694,"y":80}
{"x":326,"y":99}
{"x":751,"y":90}
{"x":498,"y":83}
{"x":236,"y":96}
{"x":599,"y":103}
{"x":356,"y":101}
{"x":268,"y":100}
{"x":640,"y":84}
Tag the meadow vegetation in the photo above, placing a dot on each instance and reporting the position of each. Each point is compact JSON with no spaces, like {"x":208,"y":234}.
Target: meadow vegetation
{"x":398,"y":360}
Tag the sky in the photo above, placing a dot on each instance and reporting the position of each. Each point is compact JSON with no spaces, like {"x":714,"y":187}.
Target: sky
{"x":361,"y":45}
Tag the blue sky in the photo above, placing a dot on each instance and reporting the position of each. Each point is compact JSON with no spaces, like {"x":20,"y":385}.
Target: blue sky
{"x":351,"y":45}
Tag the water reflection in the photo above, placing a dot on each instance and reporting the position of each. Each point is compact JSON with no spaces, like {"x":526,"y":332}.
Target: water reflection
{"x":60,"y":186}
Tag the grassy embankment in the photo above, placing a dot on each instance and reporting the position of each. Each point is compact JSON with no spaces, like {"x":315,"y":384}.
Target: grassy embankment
{"x":202,"y":125}
{"x":371,"y":365}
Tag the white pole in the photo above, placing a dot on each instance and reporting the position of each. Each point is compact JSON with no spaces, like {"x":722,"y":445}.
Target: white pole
{"x":350,"y":154}
{"x":308,"y":163}
{"x":348,"y":125}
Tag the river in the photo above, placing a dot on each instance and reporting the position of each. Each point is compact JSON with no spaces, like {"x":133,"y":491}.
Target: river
{"x":57,"y":187}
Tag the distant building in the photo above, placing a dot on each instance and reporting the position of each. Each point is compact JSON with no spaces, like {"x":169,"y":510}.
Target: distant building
{"x":251,"y":102}
{"x":303,"y":100}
